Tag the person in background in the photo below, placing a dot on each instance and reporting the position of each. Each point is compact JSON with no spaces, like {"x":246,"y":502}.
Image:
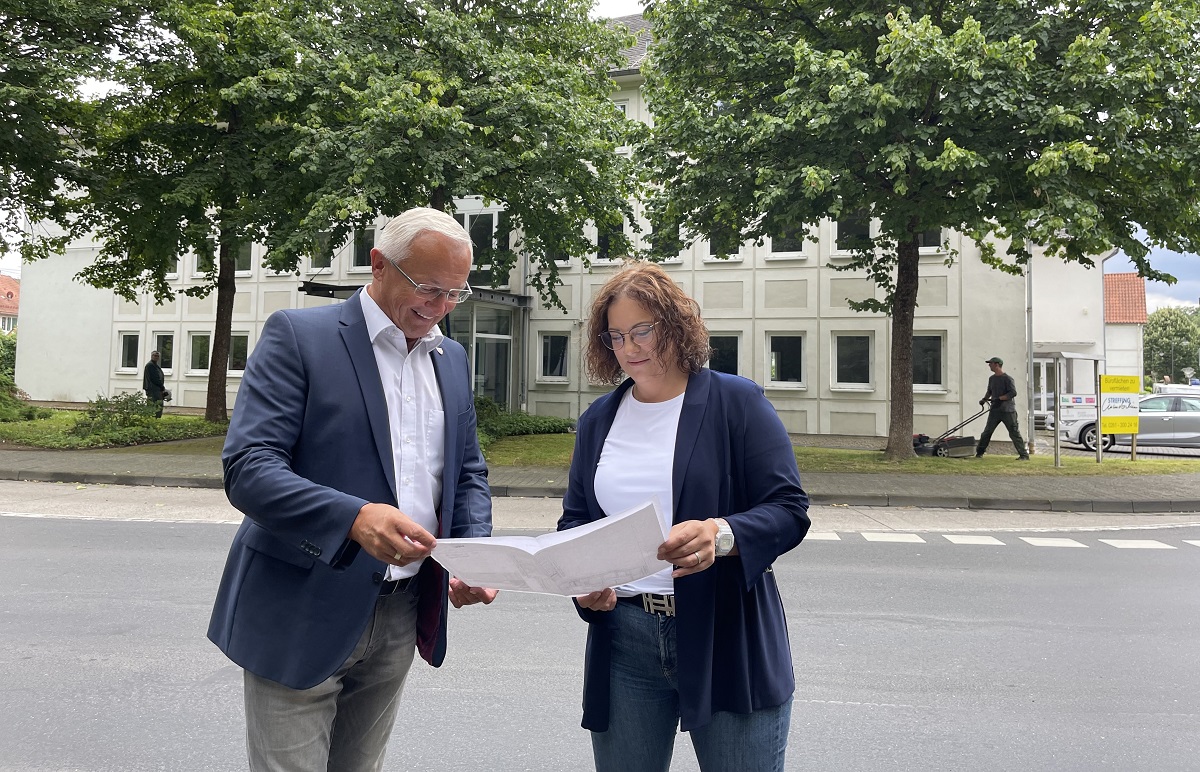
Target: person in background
{"x":1001,"y":391}
{"x":154,"y":384}
{"x":351,"y":450}
{"x":702,"y":645}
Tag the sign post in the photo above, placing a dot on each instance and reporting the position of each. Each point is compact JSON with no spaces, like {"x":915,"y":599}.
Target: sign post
{"x":1118,"y":409}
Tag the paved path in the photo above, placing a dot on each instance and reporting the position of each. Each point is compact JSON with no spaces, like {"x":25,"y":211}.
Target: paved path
{"x":1100,"y":494}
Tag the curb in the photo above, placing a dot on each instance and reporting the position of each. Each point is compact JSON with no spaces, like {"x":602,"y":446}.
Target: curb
{"x":1095,"y":506}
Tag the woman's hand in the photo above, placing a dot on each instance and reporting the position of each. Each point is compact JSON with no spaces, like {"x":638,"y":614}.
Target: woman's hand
{"x":601,"y":600}
{"x":691,"y":546}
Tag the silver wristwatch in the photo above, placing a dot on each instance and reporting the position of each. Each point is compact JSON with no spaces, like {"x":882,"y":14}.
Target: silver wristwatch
{"x":725,"y":542}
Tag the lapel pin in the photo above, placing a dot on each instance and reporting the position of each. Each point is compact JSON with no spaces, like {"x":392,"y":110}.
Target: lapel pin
{"x":439,"y":350}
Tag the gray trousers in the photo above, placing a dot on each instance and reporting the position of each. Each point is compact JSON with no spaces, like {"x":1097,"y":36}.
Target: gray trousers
{"x":343,"y":723}
{"x":995,"y":418}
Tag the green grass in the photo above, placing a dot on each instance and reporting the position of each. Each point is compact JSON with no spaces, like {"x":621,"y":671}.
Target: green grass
{"x":555,"y":450}
{"x":54,"y":432}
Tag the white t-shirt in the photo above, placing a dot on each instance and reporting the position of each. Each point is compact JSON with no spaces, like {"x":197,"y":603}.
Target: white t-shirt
{"x":635,"y":466}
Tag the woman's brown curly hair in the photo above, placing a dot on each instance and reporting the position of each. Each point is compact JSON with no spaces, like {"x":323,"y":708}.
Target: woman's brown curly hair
{"x":679,"y":331}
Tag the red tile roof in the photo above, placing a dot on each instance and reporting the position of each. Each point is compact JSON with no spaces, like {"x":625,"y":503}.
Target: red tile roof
{"x":10,"y":295}
{"x":1124,"y":298}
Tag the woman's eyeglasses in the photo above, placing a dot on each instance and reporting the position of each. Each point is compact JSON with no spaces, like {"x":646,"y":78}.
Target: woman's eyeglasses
{"x":641,"y":334}
{"x":430,"y":291}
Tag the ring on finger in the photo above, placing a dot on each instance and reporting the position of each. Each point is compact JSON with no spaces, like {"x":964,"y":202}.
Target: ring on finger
{"x":398,"y":556}
{"x":698,"y":560}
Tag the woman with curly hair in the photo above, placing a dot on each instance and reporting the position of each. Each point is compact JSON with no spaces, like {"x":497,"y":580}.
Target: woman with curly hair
{"x":702,"y":645}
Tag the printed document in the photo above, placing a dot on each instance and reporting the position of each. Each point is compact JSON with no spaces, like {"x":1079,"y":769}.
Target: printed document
{"x":608,"y":552}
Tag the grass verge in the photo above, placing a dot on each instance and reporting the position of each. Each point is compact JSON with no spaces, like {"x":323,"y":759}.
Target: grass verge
{"x":555,"y":450}
{"x":54,"y":432}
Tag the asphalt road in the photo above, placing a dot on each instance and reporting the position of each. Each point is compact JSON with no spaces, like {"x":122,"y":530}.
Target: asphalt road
{"x":910,"y":655}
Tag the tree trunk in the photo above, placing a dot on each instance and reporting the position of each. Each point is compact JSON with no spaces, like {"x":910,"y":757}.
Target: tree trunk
{"x":215,"y":408}
{"x":904,"y":306}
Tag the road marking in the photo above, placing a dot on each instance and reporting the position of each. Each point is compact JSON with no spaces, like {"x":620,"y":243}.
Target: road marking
{"x":1137,"y":544}
{"x":911,"y":538}
{"x":1045,"y":541}
{"x":960,"y":539}
{"x":1191,"y":541}
{"x":822,"y":536}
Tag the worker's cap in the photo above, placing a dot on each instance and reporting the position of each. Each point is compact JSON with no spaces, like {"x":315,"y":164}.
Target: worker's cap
{"x":995,"y":360}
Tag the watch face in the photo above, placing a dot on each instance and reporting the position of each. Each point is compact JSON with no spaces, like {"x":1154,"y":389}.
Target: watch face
{"x":724,"y":543}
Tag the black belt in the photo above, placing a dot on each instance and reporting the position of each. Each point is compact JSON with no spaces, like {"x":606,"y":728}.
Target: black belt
{"x":398,"y":585}
{"x":652,"y":603}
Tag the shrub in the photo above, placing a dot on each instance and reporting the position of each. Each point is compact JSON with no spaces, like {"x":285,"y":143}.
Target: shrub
{"x":8,"y":354}
{"x":109,"y":415}
{"x":13,"y":406}
{"x":495,"y":422}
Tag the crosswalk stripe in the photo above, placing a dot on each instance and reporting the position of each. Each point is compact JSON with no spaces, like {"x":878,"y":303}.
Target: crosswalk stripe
{"x":1192,"y":541}
{"x":970,"y":539}
{"x":822,"y":536}
{"x":1047,"y":541}
{"x":1137,"y":544}
{"x":911,"y":538}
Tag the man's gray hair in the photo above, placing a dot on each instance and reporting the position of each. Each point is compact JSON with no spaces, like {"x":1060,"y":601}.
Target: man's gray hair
{"x":395,"y":241}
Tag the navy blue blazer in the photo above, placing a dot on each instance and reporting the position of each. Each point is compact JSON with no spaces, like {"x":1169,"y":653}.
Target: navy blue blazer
{"x":307,"y":447}
{"x":733,"y":459}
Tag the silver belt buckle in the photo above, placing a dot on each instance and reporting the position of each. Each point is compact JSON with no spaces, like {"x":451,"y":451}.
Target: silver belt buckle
{"x":658,"y":604}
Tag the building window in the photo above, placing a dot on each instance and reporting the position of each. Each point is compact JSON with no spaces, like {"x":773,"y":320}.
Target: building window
{"x":199,"y":352}
{"x":364,"y":242}
{"x":482,"y":228}
{"x":853,"y":232}
{"x":8,"y":323}
{"x":321,"y":256}
{"x":173,"y":271}
{"x":164,"y":344}
{"x":724,"y":244}
{"x":786,"y":359}
{"x":724,"y":358}
{"x":605,"y":237}
{"x":930,"y":240}
{"x":239,"y":349}
{"x":787,"y":242}
{"x":244,"y":258}
{"x":622,"y":106}
{"x":927,"y":360}
{"x":852,"y":360}
{"x":207,"y":263}
{"x":129,"y":351}
{"x":554,"y":356}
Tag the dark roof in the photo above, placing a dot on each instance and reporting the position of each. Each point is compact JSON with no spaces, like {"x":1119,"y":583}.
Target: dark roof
{"x":634,"y":56}
{"x":1124,"y":298}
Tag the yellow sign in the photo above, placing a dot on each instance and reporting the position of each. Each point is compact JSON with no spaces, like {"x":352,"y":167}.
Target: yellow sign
{"x":1119,"y":424}
{"x":1120,"y":384}
{"x":1119,"y":412}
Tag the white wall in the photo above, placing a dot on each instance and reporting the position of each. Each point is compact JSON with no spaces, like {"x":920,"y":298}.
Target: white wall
{"x":66,"y":345}
{"x":1123,"y":347}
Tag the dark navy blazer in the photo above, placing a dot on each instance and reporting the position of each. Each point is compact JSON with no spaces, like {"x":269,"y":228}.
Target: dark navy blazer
{"x":733,"y":459}
{"x":307,"y":447}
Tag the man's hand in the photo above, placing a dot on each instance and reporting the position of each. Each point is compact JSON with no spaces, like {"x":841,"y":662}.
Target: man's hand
{"x":389,"y":535}
{"x":601,"y":600}
{"x":463,"y":594}
{"x":982,"y":401}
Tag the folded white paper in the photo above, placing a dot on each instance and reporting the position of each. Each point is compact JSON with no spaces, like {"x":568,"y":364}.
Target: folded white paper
{"x":605,"y":553}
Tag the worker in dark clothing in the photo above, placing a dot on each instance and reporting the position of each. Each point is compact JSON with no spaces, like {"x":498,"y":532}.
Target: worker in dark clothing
{"x":154,"y":384}
{"x":1001,"y":391}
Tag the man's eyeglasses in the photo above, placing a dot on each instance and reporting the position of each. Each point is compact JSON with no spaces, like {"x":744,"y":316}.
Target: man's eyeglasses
{"x":430,"y":291}
{"x":641,"y":334}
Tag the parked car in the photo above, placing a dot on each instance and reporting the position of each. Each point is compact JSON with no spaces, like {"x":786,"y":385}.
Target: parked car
{"x":1164,"y":420}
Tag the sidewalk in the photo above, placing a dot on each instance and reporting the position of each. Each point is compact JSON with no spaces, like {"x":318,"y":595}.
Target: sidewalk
{"x":1124,"y":494}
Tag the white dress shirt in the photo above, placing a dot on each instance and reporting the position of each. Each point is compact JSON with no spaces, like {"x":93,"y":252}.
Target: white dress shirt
{"x":416,"y":420}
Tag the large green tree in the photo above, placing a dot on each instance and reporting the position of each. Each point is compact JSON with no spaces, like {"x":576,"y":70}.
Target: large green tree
{"x":428,"y":100}
{"x":1170,"y":342}
{"x":1015,"y":122}
{"x":191,"y":153}
{"x":48,"y":50}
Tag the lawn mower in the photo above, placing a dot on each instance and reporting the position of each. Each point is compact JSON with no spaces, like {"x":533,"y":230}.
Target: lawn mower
{"x":947,"y":444}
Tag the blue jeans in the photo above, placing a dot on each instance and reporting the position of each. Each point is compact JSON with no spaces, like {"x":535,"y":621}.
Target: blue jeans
{"x":644,"y":712}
